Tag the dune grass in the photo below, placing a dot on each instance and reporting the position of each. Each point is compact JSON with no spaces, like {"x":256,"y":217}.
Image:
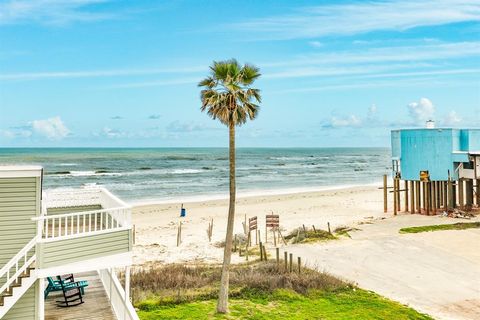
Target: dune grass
{"x":440,"y":227}
{"x":258,"y":291}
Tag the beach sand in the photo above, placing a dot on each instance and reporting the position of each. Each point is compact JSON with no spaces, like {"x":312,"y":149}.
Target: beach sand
{"x":156,"y":224}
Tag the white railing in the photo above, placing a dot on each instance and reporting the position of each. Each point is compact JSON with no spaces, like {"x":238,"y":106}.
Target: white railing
{"x":19,"y":263}
{"x":73,"y":198}
{"x":118,"y":298}
{"x":71,"y":225}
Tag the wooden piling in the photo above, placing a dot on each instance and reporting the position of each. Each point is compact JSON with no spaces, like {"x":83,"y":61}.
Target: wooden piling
{"x":434,"y":198}
{"x":385,"y":194}
{"x":291,"y":262}
{"x":395,"y":205}
{"x":450,"y":194}
{"x":277,"y":256}
{"x":412,"y":197}
{"x":418,"y":194}
{"x":299,"y":264}
{"x":285,"y":260}
{"x":329,"y":230}
{"x":469,"y":192}
{"x":399,"y":207}
{"x":406,"y":195}
{"x":261,"y":250}
{"x":461,"y":196}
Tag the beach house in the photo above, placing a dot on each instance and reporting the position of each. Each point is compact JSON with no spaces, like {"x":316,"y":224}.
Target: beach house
{"x":440,"y":168}
{"x":85,"y":233}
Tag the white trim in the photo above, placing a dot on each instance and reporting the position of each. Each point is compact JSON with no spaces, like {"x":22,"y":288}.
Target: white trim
{"x":40,"y":299}
{"x":81,"y":235}
{"x":20,"y":171}
{"x":117,"y":260}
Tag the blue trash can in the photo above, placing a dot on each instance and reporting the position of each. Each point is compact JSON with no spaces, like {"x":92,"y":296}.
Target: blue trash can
{"x":183,"y":212}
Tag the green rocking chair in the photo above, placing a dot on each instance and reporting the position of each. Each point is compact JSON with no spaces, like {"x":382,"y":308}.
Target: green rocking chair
{"x":68,"y":281}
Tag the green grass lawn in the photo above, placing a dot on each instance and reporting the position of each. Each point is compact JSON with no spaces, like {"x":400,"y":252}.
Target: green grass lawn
{"x":287,"y":304}
{"x":455,"y":226}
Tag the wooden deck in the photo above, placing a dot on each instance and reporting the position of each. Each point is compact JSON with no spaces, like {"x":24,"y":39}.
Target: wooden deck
{"x":96,"y":305}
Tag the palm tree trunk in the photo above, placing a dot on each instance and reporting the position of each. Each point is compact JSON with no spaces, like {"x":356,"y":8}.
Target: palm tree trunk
{"x":222,"y":306}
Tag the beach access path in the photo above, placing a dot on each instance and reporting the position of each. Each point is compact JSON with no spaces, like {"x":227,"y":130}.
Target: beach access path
{"x":437,"y":273}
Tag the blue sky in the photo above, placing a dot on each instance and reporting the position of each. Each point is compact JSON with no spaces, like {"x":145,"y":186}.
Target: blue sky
{"x":339,"y":73}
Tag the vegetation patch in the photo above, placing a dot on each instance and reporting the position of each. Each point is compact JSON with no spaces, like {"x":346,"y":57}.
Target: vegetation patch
{"x":305,"y":235}
{"x":440,"y":227}
{"x":258,"y":291}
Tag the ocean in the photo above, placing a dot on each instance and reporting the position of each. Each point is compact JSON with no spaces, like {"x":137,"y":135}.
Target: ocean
{"x":183,"y":174}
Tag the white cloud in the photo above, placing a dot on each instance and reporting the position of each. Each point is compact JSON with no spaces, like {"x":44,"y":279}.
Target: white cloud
{"x":52,"y":128}
{"x":342,"y":122}
{"x":16,"y":133}
{"x":361,"y":17}
{"x":50,"y":11}
{"x":452,"y":119}
{"x":421,"y":111}
{"x":113,"y":133}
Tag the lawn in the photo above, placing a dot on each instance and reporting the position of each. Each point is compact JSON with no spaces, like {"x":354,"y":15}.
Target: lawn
{"x":259,"y":290}
{"x":441,"y":227}
{"x":287,"y":304}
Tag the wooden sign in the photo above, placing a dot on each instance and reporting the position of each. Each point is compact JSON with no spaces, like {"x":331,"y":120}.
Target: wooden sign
{"x":252,"y":223}
{"x":424,"y":176}
{"x":273,"y":220}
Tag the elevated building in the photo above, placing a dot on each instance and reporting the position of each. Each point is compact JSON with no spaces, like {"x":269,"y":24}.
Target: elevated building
{"x":440,"y":167}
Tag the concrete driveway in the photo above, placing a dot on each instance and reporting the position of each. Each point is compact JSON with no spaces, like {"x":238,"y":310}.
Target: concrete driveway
{"x":437,"y":273}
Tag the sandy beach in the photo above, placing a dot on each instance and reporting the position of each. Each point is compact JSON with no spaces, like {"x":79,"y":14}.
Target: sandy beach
{"x":156,"y":224}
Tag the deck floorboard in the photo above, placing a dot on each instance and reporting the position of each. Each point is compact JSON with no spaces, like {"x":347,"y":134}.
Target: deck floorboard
{"x":96,"y":304}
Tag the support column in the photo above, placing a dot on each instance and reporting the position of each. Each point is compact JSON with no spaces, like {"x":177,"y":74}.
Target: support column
{"x":395,"y":207}
{"x":40,"y":305}
{"x":469,"y":192}
{"x":412,"y":197}
{"x":478,"y":192}
{"x":406,"y":196}
{"x":399,"y":207}
{"x":461,"y":198}
{"x":445,"y":195}
{"x":127,"y":283}
{"x":450,"y":194}
{"x":417,"y":187}
{"x":428,"y":194}
{"x":385,"y":194}
{"x":434,"y":197}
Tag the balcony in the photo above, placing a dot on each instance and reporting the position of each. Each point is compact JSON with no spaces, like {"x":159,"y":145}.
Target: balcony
{"x":83,"y":227}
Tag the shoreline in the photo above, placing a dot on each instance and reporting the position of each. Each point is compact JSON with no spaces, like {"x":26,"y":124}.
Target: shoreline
{"x":250,"y":194}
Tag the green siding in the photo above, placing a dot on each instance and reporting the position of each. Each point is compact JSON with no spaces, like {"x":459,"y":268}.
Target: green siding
{"x":54,"y":211}
{"x":19,"y":203}
{"x":56,"y":253}
{"x":24,"y":309}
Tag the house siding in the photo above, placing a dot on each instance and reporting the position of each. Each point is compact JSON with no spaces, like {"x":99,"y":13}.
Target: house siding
{"x":24,"y":309}
{"x":57,"y":253}
{"x":19,"y":203}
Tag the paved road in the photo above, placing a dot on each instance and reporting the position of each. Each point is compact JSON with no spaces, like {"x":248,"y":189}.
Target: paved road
{"x":436,"y":272}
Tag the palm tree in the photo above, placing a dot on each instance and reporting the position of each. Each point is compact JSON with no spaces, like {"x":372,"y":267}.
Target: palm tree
{"x":228,"y":97}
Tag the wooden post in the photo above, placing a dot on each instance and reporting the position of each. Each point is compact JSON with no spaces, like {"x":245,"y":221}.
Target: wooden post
{"x":461,"y":196}
{"x":235,"y":244}
{"x":285,"y":260}
{"x":428,"y":200}
{"x":412,"y":197}
{"x":434,"y":198}
{"x":259,"y":238}
{"x":445,"y":195}
{"x":418,"y":194}
{"x":395,"y":204}
{"x":450,"y":194}
{"x":266,"y":233}
{"x":329,"y":230}
{"x":299,"y":264}
{"x":478,"y":192}
{"x":314,"y":230}
{"x":261,"y":249}
{"x":469,"y":192}
{"x":291,"y":262}
{"x":298,"y":235}
{"x":134,"y":234}
{"x":406,"y":195}
{"x":179,"y":234}
{"x":274,"y":238}
{"x":399,"y":207}
{"x":277,"y":255}
{"x":385,"y":194}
